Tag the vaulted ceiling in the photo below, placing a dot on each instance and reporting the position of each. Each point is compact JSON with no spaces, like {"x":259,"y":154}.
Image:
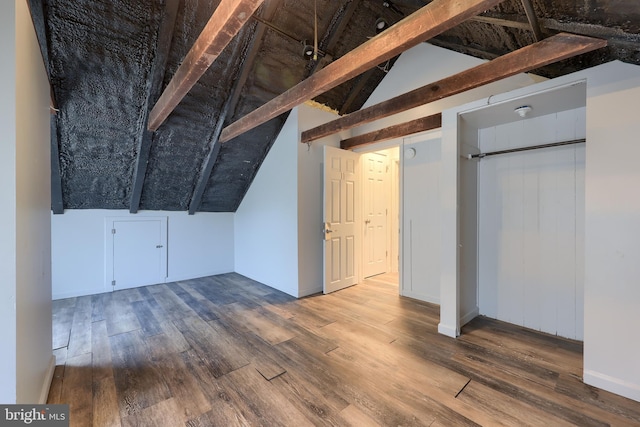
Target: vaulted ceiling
{"x":109,"y":61}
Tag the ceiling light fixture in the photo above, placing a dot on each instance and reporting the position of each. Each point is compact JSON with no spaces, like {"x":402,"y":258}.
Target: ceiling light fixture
{"x":307,"y":50}
{"x":523,"y":111}
{"x":381,"y":25}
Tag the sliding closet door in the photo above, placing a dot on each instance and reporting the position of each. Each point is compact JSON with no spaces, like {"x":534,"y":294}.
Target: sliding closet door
{"x":531,"y":224}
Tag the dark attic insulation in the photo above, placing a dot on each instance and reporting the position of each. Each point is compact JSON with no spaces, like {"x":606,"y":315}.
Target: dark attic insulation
{"x":109,"y":61}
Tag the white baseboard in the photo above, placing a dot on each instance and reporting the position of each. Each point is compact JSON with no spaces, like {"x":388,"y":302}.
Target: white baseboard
{"x":182,"y":277}
{"x":48,"y":377}
{"x":612,"y":384}
{"x":305,"y":292}
{"x":94,"y":291}
{"x":448,"y":330}
{"x":78,"y":293}
{"x":421,"y":297}
{"x":469,"y":316}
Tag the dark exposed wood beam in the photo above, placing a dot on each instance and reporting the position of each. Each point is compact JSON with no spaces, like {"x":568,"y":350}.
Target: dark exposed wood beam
{"x":466,"y":49}
{"x":533,"y":19}
{"x":615,"y":36}
{"x":612,"y":35}
{"x":37,"y":17}
{"x":427,"y":22}
{"x":356,"y":89}
{"x":552,"y":49}
{"x":145,"y":138}
{"x":335,"y":31}
{"x":209,"y":161}
{"x":269,"y":10}
{"x":230,"y":105}
{"x":57,"y":204}
{"x":396,"y":131}
{"x":224,"y":24}
{"x":502,"y":22}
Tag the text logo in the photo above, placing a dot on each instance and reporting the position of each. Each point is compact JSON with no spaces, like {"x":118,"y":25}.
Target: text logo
{"x":34,"y":415}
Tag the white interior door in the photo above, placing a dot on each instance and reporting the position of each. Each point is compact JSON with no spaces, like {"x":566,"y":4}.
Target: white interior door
{"x":138,"y":252}
{"x":340,"y":216}
{"x":375,"y":198}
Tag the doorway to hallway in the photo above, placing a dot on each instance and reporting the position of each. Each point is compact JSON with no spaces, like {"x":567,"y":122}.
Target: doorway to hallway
{"x":381,"y":208}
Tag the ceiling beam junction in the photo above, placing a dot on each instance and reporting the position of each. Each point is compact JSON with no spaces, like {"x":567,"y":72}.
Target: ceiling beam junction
{"x":547,"y":51}
{"x":224,"y":24}
{"x":429,"y":21}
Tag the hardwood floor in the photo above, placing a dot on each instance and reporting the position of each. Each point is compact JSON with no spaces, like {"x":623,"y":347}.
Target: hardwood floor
{"x":227,"y":351}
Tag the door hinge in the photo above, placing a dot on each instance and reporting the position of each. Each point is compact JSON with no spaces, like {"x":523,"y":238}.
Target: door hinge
{"x":113,"y":231}
{"x":113,"y":283}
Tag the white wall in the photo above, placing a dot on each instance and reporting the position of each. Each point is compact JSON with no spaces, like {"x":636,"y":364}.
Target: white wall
{"x":612,"y":221}
{"x":421,"y":217}
{"x":612,"y":230}
{"x":26,"y":361}
{"x":266,"y":223}
{"x":8,"y":146}
{"x":531,"y":224}
{"x":198,"y":245}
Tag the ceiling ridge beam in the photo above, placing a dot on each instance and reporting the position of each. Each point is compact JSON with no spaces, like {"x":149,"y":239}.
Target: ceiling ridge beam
{"x":396,"y":131}
{"x":229,"y":107}
{"x":158,"y":69}
{"x":545,"y":52}
{"x":429,"y":21}
{"x":226,"y":21}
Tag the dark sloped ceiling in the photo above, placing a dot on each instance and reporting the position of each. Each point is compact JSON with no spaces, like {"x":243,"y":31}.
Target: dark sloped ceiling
{"x":109,"y":60}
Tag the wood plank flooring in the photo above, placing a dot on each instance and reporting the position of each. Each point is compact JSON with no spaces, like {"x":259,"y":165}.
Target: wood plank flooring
{"x":228,"y":351}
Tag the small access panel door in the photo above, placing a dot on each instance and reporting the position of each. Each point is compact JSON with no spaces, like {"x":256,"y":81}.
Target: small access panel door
{"x":136,"y":252}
